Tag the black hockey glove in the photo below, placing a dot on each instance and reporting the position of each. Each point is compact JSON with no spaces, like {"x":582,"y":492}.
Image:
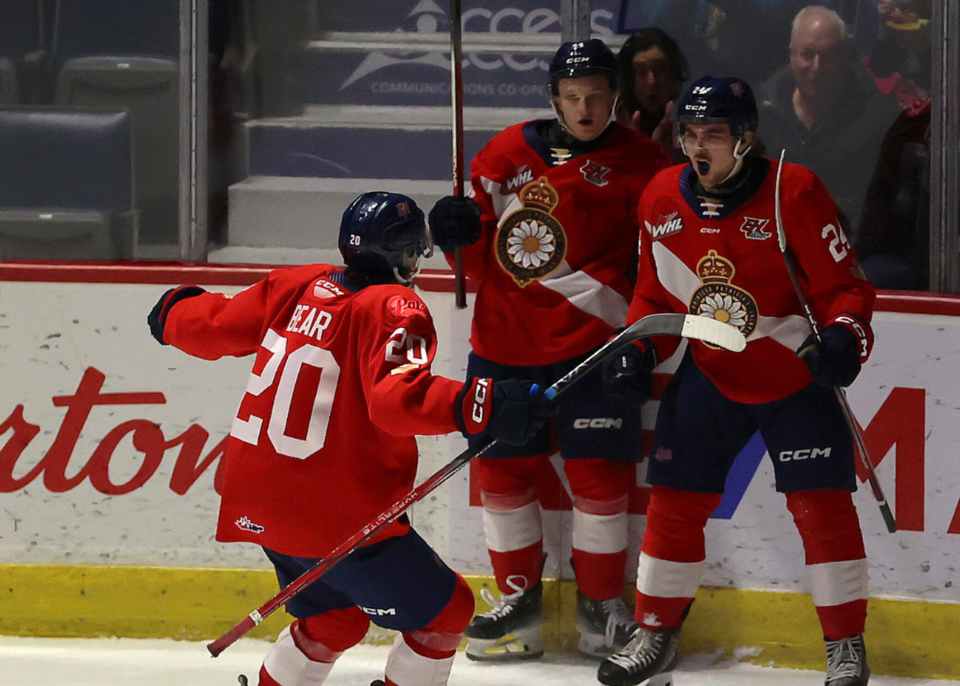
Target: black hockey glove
{"x":835,"y":359}
{"x":628,"y":375}
{"x":455,"y":222}
{"x":157,"y":318}
{"x":512,"y":411}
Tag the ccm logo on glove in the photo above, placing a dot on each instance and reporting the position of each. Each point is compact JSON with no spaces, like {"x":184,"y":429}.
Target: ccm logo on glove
{"x":480,"y":394}
{"x":512,"y":411}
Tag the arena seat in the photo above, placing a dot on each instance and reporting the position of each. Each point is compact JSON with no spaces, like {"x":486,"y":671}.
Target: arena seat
{"x":66,"y":184}
{"x":9,"y":90}
{"x":123,"y":54}
{"x":24,"y":52}
{"x":141,"y":28}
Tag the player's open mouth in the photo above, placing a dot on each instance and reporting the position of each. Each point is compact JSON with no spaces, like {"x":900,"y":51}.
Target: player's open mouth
{"x":703,"y":167}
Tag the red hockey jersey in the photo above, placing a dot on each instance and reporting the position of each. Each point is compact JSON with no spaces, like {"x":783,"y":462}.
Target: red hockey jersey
{"x":721,"y":259}
{"x":558,"y":241}
{"x":323,"y":441}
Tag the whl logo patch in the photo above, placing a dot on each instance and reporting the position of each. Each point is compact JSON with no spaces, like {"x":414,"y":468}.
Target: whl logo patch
{"x":524,"y":176}
{"x":667,"y":224}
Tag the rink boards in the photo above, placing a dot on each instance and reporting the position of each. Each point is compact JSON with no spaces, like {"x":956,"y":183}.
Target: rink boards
{"x":109,"y":445}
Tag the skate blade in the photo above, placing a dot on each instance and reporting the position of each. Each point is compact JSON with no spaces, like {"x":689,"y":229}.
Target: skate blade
{"x":526,"y":645}
{"x":662,"y":679}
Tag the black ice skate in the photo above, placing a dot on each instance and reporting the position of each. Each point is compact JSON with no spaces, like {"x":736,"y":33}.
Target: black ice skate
{"x":510,"y":630}
{"x":645,"y":661}
{"x":605,"y":626}
{"x":847,"y":662}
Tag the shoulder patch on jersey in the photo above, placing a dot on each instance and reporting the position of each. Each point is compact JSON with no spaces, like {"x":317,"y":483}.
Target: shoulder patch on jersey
{"x":324,"y":289}
{"x":753,"y":228}
{"x":595,"y":173}
{"x":522,"y":175}
{"x":667,"y":225}
{"x":400,"y":306}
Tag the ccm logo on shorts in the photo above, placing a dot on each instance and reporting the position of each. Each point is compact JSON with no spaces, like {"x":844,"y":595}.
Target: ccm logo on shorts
{"x":804,"y":454}
{"x":598,"y":423}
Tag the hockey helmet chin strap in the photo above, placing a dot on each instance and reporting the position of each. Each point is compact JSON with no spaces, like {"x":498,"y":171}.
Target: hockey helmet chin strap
{"x":737,"y":166}
{"x":563,"y":122}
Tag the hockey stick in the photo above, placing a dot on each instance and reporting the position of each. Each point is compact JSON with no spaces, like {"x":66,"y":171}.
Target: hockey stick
{"x":456,"y":94}
{"x":848,"y":415}
{"x":668,"y":324}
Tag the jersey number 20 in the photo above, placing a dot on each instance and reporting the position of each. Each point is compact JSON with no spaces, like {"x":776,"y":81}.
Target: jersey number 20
{"x":326,"y":371}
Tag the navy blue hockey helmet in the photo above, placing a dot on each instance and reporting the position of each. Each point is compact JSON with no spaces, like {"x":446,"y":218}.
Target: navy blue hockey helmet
{"x":583,"y":58}
{"x":714,"y":100}
{"x":383,"y":231}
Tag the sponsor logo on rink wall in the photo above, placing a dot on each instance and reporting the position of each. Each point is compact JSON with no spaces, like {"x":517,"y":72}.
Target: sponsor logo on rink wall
{"x":408,"y":77}
{"x":110,"y":445}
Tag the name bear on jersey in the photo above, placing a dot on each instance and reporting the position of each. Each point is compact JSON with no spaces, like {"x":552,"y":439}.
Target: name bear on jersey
{"x":309,"y":321}
{"x":530,"y":242}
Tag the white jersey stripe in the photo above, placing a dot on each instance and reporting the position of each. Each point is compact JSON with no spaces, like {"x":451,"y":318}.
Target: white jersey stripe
{"x":587,"y":294}
{"x":790,"y":331}
{"x":509,"y":530}
{"x":599,"y":534}
{"x":836,"y":583}
{"x":681,"y":281}
{"x":666,"y":579}
{"x":500,"y":202}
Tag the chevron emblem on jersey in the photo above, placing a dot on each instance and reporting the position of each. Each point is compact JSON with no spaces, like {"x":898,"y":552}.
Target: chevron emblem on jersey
{"x":594,"y":172}
{"x":753,"y":228}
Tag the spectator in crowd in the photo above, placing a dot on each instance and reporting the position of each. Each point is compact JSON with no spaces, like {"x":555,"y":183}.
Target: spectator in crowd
{"x":554,"y":259}
{"x":652,"y":71}
{"x":892,"y":240}
{"x":826,"y":111}
{"x":743,"y":37}
{"x":901,"y":59}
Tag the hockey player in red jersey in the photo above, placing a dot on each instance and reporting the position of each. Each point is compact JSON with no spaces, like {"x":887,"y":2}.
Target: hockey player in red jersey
{"x":324,"y":440}
{"x":709,"y":247}
{"x":554,"y":262}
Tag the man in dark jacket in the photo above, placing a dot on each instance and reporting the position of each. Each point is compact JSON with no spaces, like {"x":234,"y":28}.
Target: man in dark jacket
{"x":826,"y":111}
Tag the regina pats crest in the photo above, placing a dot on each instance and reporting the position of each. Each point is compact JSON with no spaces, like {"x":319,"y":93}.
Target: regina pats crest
{"x":717,"y":298}
{"x":531,"y":243}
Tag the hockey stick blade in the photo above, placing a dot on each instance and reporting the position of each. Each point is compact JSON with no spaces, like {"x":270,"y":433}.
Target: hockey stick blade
{"x":706,"y":329}
{"x":663,"y":324}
